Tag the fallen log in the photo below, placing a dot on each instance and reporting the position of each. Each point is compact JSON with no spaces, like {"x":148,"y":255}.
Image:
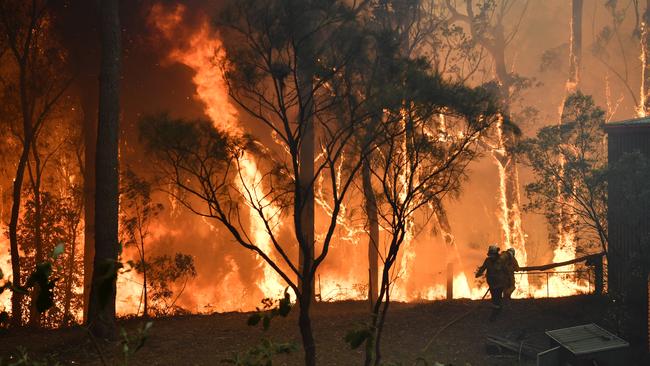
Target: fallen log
{"x":560,"y":264}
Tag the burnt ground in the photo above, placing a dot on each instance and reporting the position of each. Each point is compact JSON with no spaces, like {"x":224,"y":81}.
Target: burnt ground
{"x":208,"y":339}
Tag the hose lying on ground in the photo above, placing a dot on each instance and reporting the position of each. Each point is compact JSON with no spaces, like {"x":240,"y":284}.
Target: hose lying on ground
{"x":437,"y":333}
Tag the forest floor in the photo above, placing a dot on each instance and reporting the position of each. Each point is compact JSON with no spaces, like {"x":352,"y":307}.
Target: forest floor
{"x":209,"y":339}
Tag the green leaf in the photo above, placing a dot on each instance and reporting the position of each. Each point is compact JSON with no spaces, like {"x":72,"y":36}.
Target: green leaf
{"x":58,"y":250}
{"x":254,"y":319}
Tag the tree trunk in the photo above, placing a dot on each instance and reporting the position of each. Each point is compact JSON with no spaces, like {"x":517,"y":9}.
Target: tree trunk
{"x":575,"y":53}
{"x":145,"y":313}
{"x":373,"y":230}
{"x":380,"y":326}
{"x":304,"y":322}
{"x":510,"y":178}
{"x":16,"y":297}
{"x":90,"y":140}
{"x":306,"y":175}
{"x":39,"y":257}
{"x":567,"y":218}
{"x":67,"y":297}
{"x":373,"y":347}
{"x":644,"y":106}
{"x":34,"y":315}
{"x":101,"y":314}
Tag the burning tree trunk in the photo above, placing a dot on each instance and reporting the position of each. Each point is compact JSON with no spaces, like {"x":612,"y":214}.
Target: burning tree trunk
{"x":575,"y":49}
{"x":101,"y":310}
{"x":566,"y":221}
{"x":644,"y":104}
{"x":509,"y":179}
{"x":373,"y":231}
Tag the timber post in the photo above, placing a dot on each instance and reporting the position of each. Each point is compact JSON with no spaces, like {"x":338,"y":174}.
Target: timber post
{"x":450,"y":281}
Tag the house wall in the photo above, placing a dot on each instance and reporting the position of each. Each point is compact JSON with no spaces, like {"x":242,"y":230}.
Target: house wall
{"x":626,"y":277}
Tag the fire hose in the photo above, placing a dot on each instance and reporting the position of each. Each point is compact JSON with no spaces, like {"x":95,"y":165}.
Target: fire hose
{"x":450,"y":323}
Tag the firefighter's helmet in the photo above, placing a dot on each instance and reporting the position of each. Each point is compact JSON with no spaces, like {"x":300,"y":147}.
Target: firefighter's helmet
{"x":493,"y":249}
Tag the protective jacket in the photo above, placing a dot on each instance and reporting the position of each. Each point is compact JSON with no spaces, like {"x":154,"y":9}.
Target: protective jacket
{"x":496,"y":275}
{"x":510,"y":263}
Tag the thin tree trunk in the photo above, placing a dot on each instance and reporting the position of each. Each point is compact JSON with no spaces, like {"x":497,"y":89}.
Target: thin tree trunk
{"x":306,"y":156}
{"x":34,"y":315}
{"x":380,"y":326}
{"x":90,"y":141}
{"x":101,"y":315}
{"x":144,"y":279}
{"x":16,"y":297}
{"x":373,"y":230}
{"x":304,"y":323}
{"x":67,"y":297}
{"x":373,"y":349}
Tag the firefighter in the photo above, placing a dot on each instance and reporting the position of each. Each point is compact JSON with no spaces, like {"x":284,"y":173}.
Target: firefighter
{"x":496,"y":275}
{"x":510,"y":265}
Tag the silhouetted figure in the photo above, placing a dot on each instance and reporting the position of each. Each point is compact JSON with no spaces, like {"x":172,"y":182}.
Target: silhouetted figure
{"x":496,"y":277}
{"x":510,"y":265}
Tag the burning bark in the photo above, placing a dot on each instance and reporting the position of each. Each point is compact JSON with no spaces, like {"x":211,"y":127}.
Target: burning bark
{"x":565,"y":228}
{"x":373,"y":233}
{"x":644,"y":100}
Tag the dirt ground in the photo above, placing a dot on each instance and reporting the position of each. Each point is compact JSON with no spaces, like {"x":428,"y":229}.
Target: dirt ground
{"x":208,"y":339}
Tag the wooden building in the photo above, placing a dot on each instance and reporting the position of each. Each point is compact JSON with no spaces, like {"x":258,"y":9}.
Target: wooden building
{"x":629,"y":222}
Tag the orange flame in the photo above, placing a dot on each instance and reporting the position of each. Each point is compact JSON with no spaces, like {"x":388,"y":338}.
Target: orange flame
{"x":203,"y":53}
